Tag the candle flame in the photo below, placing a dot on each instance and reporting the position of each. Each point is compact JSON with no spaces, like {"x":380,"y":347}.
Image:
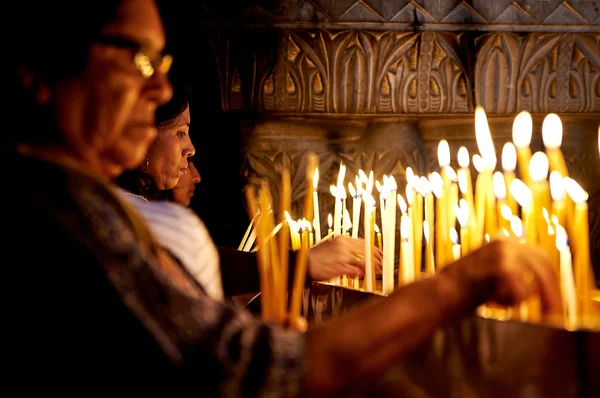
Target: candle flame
{"x":402,"y":204}
{"x":451,"y":173}
{"x":478,"y":162}
{"x":516,"y":225}
{"x":499,"y":185}
{"x":484,"y":138}
{"x":521,"y":193}
{"x":352,"y":190}
{"x":410,"y":175}
{"x":453,"y":235}
{"x":425,"y":186}
{"x":443,"y":154}
{"x":376,"y":228}
{"x":333,"y":190}
{"x":437,"y":184}
{"x":461,"y":215}
{"x":426,"y":230}
{"x":347,"y":220}
{"x":463,"y":157}
{"x":392,"y":186}
{"x":506,"y":212}
{"x":329,"y":220}
{"x":362,"y":176}
{"x":404,"y":227}
{"x":562,"y":241}
{"x":316,"y":178}
{"x":574,"y":190}
{"x":552,"y":131}
{"x":509,"y":157}
{"x":557,"y":186}
{"x":522,"y":128}
{"x":342,"y":192}
{"x":287,"y":216}
{"x":369,"y":183}
{"x":538,"y":166}
{"x":341,"y":175}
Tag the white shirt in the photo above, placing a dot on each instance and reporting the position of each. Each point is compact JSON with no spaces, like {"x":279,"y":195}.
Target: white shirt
{"x":180,"y":230}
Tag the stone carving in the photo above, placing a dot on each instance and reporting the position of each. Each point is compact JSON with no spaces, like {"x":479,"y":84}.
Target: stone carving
{"x":542,"y":12}
{"x":352,"y":72}
{"x":538,"y":72}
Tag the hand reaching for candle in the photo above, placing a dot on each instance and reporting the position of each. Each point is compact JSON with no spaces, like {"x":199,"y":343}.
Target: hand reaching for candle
{"x":508,"y":272}
{"x":341,"y":255}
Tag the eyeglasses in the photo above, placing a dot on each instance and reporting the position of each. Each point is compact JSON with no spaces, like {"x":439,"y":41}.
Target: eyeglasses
{"x":145,"y":64}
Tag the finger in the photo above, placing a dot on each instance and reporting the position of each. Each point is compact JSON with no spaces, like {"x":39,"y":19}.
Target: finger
{"x":354,"y":271}
{"x":546,"y":282}
{"x":378,"y":264}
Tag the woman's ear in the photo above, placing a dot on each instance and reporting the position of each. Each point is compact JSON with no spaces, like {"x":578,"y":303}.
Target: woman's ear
{"x":34,"y":84}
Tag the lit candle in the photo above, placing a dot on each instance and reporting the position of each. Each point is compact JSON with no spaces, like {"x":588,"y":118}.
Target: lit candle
{"x":417,"y":236}
{"x":484,"y":194}
{"x":337,"y":210}
{"x":356,"y":202}
{"x":552,"y":133}
{"x":462,"y":214}
{"x":429,"y":219}
{"x":317,"y":218}
{"x":557,"y":192}
{"x":509,"y":164}
{"x":329,"y":224}
{"x":465,"y":183}
{"x":440,"y":239}
{"x":429,"y":261}
{"x":368,"y":204}
{"x":442,"y":227}
{"x":567,"y":282}
{"x":500,"y":193}
{"x":521,"y":136}
{"x":455,"y":244}
{"x":378,"y":234}
{"x":540,"y":189}
{"x":406,"y":274}
{"x":389,"y":237}
{"x":581,"y":246}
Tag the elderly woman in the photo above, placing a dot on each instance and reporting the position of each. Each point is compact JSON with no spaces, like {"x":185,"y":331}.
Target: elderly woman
{"x":99,"y":305}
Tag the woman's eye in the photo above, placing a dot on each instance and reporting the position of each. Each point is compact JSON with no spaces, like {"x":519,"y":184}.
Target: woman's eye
{"x":181,"y":134}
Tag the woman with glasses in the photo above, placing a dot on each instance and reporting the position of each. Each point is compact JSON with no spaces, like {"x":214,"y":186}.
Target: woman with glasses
{"x":98,"y":306}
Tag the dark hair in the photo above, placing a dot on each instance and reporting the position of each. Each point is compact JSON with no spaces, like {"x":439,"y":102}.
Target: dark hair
{"x":54,"y":45}
{"x":139,"y":182}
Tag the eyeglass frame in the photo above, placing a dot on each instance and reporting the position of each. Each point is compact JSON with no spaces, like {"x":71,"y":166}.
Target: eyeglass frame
{"x":144,"y":64}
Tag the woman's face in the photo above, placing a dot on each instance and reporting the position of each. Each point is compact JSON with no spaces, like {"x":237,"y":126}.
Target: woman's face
{"x":168,"y":155}
{"x":186,"y":187}
{"x":107,"y":114}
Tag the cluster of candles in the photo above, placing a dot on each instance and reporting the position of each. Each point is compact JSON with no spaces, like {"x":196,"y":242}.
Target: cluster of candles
{"x":442,"y":217}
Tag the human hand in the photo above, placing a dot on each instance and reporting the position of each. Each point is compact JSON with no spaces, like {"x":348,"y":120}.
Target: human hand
{"x":341,"y":255}
{"x":507,"y":272}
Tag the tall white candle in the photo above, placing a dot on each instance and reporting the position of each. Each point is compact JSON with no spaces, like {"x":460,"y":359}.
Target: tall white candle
{"x":317,"y":217}
{"x":369,"y":201}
